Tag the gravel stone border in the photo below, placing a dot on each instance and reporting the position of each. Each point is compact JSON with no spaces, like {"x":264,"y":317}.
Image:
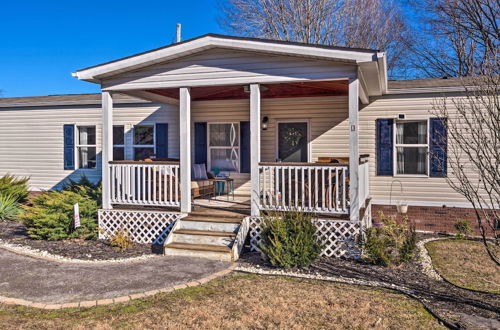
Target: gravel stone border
{"x":425,"y":259}
{"x":40,"y":254}
{"x":116,"y":300}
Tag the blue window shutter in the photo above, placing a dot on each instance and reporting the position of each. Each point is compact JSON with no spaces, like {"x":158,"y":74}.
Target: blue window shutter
{"x":438,"y":146}
{"x":69,"y":147}
{"x":384,"y":146}
{"x":161,"y":140}
{"x":245,"y":147}
{"x":200,"y":143}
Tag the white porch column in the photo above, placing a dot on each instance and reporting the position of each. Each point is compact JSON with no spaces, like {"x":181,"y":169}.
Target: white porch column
{"x":255,"y":147}
{"x":353,"y":149}
{"x":106,"y":147}
{"x":185,"y":147}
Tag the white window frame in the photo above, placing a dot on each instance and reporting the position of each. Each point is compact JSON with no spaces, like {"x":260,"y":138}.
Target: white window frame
{"x":121,"y":145}
{"x":78,"y":145}
{"x":209,"y":148}
{"x":276,"y":139}
{"x":134,"y":146}
{"x":395,"y":146}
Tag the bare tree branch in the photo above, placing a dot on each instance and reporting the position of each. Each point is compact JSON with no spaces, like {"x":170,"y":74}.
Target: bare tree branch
{"x":473,"y":151}
{"x":375,"y":24}
{"x":455,"y":38}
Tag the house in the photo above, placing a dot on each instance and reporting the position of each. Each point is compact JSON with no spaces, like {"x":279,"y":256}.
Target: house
{"x":295,"y":126}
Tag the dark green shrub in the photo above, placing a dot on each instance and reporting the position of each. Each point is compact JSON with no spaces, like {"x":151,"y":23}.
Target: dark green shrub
{"x":86,"y":188}
{"x":390,"y":243}
{"x":51,"y":216}
{"x":463,"y":228}
{"x":17,"y":188}
{"x":289,"y":240}
{"x":9,"y":208}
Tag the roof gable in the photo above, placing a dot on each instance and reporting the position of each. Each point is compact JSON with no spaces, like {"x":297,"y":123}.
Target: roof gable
{"x":210,"y":41}
{"x":221,"y":66}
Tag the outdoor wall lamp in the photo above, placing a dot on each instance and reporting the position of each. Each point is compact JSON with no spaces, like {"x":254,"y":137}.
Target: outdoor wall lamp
{"x":265,"y":122}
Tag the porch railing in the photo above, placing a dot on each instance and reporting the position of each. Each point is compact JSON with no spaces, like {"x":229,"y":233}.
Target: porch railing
{"x":364,"y":188}
{"x":145,"y":183}
{"x":309,"y":187}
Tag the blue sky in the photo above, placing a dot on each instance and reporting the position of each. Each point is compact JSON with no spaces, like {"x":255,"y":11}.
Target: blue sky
{"x":42,"y":42}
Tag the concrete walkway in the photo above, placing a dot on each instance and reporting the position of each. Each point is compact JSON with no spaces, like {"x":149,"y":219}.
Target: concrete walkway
{"x":51,"y":282}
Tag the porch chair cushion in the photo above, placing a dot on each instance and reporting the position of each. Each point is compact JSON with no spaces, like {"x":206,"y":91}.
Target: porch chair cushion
{"x":198,"y":172}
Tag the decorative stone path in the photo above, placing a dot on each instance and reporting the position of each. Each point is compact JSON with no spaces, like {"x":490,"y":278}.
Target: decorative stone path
{"x":48,"y":284}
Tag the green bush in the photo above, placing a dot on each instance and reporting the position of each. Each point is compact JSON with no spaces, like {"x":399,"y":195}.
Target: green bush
{"x":16,"y":188}
{"x":9,"y":208}
{"x":463,"y":228}
{"x":51,"y":215}
{"x":289,"y":240}
{"x":390,"y":243}
{"x":86,"y":188}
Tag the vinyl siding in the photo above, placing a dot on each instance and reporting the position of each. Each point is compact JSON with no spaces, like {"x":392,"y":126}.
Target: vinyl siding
{"x":327,"y":117}
{"x":228,"y":67}
{"x":417,"y":190}
{"x":31,"y":138}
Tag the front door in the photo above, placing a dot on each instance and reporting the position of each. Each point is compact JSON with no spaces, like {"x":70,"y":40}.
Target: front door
{"x":292,"y":142}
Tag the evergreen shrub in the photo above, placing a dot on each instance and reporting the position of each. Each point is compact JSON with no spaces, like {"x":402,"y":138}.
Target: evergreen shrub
{"x":290,"y":240}
{"x":51,"y":215}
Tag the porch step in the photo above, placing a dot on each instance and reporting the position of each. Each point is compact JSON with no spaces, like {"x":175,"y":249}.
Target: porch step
{"x":206,"y":233}
{"x":219,"y":219}
{"x":213,"y":225}
{"x":191,"y":236}
{"x":198,"y":247}
{"x":216,"y":213}
{"x":199,"y":250}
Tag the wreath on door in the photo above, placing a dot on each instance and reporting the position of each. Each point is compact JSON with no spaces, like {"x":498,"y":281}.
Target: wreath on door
{"x":293,"y":136}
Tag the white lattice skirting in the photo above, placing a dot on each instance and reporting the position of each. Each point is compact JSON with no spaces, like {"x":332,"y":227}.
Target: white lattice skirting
{"x":148,"y":227}
{"x":339,"y":238}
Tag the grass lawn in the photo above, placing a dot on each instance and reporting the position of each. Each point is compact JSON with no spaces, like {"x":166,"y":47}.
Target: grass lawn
{"x":465,"y":264}
{"x":242,"y":301}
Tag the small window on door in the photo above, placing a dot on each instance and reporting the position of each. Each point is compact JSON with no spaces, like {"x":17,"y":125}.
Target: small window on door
{"x":144,"y":141}
{"x":86,"y":147}
{"x":293,"y":142}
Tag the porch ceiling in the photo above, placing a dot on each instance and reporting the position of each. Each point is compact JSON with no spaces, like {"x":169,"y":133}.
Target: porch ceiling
{"x":296,"y":89}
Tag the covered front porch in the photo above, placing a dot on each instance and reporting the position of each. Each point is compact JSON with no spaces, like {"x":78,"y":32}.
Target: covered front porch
{"x":283,"y":146}
{"x":279,"y":119}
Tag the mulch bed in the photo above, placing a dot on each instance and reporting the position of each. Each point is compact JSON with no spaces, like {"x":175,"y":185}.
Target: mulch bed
{"x":458,"y":307}
{"x":15,"y":233}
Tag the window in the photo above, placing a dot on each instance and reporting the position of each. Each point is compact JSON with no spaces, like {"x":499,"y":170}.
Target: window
{"x":144,"y":141}
{"x":224,"y":146}
{"x":118,"y":142}
{"x":411,"y":147}
{"x":86,"y":147}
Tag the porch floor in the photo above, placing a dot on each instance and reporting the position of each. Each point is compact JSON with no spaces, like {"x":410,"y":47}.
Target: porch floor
{"x":240,"y":205}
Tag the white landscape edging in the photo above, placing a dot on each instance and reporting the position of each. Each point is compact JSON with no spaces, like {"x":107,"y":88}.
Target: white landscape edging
{"x":425,"y":259}
{"x":317,"y":276}
{"x":35,"y":253}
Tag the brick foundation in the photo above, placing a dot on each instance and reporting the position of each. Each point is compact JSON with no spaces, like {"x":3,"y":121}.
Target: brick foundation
{"x":430,"y":218}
